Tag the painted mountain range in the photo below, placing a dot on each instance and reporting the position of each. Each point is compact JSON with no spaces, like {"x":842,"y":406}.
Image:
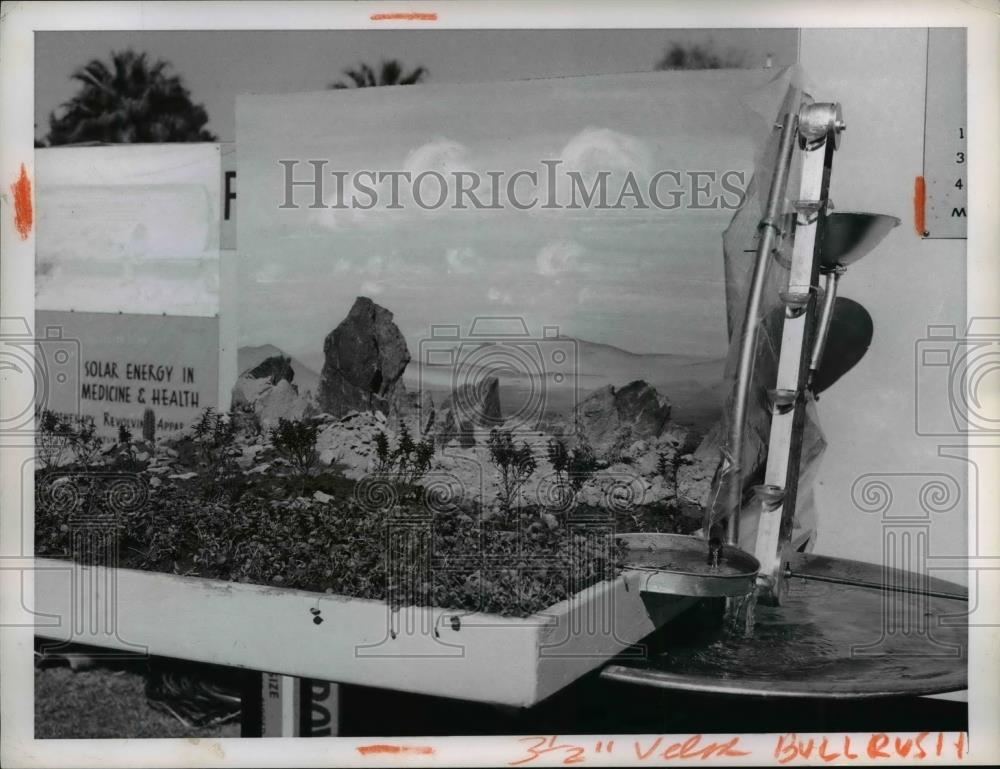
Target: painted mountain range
{"x":693,"y":384}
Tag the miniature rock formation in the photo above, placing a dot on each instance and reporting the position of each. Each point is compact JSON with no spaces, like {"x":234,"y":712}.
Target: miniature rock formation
{"x":470,"y":408}
{"x":612,"y":419}
{"x":413,"y":409}
{"x":267,"y":392}
{"x":275,"y":368}
{"x":695,"y":474}
{"x":349,"y":442}
{"x":364,"y":358}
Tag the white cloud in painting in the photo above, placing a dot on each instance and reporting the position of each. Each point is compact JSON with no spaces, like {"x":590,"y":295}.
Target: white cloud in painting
{"x":462,"y":260}
{"x":558,"y":257}
{"x":499,"y":297}
{"x":438,"y":155}
{"x":602,"y":149}
{"x":371,"y":287}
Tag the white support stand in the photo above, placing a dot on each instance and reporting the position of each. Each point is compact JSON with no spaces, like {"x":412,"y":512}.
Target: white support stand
{"x":776,"y":498}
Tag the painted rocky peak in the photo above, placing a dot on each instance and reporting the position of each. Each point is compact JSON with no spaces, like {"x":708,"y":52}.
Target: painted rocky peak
{"x":364,"y":358}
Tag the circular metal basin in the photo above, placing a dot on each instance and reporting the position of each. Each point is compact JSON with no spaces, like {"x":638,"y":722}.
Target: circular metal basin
{"x":677,"y":564}
{"x":849,"y":235}
{"x":843,"y":631}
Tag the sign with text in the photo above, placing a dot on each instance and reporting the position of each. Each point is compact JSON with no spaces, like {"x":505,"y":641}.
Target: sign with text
{"x":112,"y":367}
{"x":945,"y":152}
{"x":227,"y":233}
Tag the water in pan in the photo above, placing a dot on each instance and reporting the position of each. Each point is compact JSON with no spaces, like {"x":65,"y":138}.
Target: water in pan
{"x":685,"y":560}
{"x":823,"y":634}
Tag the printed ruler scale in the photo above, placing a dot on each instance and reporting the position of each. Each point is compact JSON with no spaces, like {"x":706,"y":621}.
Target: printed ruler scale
{"x":945,"y":154}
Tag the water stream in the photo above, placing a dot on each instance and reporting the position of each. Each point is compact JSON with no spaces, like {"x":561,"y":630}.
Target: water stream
{"x":739,"y":616}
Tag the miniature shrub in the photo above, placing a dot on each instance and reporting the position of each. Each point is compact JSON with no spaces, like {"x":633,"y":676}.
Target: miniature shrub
{"x":515,"y":465}
{"x":61,"y":440}
{"x":407,"y":463}
{"x":213,"y":438}
{"x":295,"y":442}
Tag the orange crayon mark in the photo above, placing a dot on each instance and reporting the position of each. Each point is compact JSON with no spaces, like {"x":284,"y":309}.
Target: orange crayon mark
{"x":403,"y":17}
{"x":422,"y":750}
{"x":920,"y":207}
{"x":24,"y":216}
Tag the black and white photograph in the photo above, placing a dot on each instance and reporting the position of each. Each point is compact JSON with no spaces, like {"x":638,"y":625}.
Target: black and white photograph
{"x":522,"y":384}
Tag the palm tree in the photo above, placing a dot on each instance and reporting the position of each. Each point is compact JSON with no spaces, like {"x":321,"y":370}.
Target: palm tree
{"x":697,"y":57}
{"x":130,"y":101}
{"x":390,"y":73}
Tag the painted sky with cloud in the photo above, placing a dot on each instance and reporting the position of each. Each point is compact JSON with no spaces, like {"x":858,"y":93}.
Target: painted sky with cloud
{"x":645,"y":280}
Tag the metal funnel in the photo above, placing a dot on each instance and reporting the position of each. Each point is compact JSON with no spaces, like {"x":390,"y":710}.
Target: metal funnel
{"x":849,"y":235}
{"x":850,"y":335}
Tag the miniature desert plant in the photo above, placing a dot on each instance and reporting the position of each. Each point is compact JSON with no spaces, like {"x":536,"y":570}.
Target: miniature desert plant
{"x":214,"y":435}
{"x":149,"y":425}
{"x":558,"y":457}
{"x":61,"y":440}
{"x":663,"y":465}
{"x":295,"y":442}
{"x":407,"y":463}
{"x":85,"y":442}
{"x":383,"y":457}
{"x":582,"y":464}
{"x":514,"y":463}
{"x":53,"y":439}
{"x":572,"y":468}
{"x":125,"y":456}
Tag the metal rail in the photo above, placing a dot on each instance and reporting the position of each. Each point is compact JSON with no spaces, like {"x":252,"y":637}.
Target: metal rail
{"x":748,"y":335}
{"x":878,"y":586}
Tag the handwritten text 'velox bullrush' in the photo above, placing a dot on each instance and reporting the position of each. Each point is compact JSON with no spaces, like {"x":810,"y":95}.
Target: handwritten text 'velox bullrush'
{"x":787,"y":749}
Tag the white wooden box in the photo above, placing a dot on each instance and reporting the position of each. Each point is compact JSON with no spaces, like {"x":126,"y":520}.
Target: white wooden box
{"x":473,"y":656}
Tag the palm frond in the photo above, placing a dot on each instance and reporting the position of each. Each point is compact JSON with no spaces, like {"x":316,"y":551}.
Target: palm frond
{"x":128,"y":99}
{"x":390,"y":72}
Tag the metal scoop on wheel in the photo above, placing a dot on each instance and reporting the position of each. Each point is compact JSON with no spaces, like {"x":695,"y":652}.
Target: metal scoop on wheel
{"x":847,"y":236}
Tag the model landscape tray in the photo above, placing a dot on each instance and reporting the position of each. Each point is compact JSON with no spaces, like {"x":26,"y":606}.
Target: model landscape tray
{"x":440,"y":652}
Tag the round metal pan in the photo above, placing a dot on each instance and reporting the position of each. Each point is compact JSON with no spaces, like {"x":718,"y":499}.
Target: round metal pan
{"x":831,"y":638}
{"x":677,"y":564}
